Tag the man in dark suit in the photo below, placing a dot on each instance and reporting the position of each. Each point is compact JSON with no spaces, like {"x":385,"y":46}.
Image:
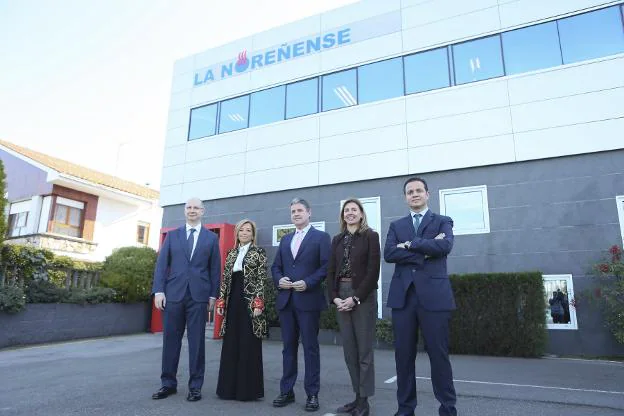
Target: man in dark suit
{"x":421,"y":297}
{"x":299,"y":267}
{"x":185,"y":286}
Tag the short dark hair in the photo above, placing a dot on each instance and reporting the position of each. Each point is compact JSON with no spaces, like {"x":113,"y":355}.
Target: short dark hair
{"x":301,"y":201}
{"x":416,"y":179}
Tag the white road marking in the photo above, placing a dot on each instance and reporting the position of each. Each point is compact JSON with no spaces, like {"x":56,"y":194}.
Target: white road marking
{"x":532,"y":386}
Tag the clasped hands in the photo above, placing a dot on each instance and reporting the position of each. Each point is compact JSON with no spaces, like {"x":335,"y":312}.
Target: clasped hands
{"x":407,"y":244}
{"x":344,"y":305}
{"x":298,"y":286}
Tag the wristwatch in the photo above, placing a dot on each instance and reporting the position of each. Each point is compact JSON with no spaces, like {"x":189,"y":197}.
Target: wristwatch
{"x":356,"y":300}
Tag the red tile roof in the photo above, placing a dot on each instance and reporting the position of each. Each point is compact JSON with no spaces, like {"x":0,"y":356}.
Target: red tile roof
{"x":72,"y":169}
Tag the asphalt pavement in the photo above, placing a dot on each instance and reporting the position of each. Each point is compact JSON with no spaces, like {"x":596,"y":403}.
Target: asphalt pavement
{"x":117,"y":376}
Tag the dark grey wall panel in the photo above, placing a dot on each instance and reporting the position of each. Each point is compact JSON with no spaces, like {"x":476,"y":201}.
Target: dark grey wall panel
{"x":553,"y":215}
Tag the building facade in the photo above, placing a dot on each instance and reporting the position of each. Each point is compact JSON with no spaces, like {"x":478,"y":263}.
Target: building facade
{"x":72,"y":210}
{"x":513,"y":110}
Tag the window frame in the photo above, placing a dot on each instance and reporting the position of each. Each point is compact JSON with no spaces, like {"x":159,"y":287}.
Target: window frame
{"x":500,"y":50}
{"x":619,"y":200}
{"x":322,"y":78}
{"x":318,"y":97}
{"x":484,"y":199}
{"x":319,"y":225}
{"x":573,"y":325}
{"x":248,"y":96}
{"x":11,"y":225}
{"x":358,"y":84}
{"x":265,"y":90}
{"x":146,"y":226}
{"x":216,"y":128}
{"x":66,"y":225}
{"x":449,"y":70}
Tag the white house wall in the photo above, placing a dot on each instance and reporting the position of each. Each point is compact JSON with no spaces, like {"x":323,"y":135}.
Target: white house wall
{"x":116,"y":225}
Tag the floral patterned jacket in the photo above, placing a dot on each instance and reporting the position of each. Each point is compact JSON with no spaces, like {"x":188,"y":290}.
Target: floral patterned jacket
{"x":255,"y":273}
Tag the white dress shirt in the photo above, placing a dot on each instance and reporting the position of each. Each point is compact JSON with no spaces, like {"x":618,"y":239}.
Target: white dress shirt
{"x":422,"y":214}
{"x":242,"y":252}
{"x":195,"y":237}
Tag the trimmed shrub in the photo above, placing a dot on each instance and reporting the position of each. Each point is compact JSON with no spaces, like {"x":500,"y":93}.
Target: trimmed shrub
{"x":89,"y":296}
{"x":42,"y":291}
{"x":499,"y":314}
{"x":12,"y":299}
{"x":129,"y":272}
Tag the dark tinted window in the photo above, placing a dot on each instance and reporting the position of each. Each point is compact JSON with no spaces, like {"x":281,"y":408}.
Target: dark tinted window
{"x":426,"y":71}
{"x":531,"y":48}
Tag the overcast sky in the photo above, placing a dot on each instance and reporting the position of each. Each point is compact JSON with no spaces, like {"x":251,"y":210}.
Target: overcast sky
{"x":89,"y":80}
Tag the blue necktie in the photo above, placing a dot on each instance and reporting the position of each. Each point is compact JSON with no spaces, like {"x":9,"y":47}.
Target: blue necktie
{"x":189,"y":242}
{"x":416,"y":222}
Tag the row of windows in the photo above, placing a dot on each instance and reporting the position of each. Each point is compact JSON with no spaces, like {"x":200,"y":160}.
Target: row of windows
{"x":586,"y":36}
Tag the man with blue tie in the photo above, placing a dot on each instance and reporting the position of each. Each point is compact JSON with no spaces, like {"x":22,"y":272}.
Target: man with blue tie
{"x":299,"y":268}
{"x":186,"y":280}
{"x":421,"y":297}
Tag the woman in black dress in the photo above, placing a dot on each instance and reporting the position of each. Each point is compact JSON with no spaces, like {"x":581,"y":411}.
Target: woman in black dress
{"x":241,"y":302}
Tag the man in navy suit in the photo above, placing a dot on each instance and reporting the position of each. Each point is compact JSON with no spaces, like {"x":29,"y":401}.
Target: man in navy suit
{"x":421,"y":297}
{"x":186,"y":281}
{"x":299,"y":268}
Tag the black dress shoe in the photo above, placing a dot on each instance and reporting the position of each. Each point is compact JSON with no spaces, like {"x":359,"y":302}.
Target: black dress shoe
{"x":284,"y":399}
{"x":164,"y":392}
{"x":347,"y":408}
{"x":194,"y":395}
{"x":312,"y":403}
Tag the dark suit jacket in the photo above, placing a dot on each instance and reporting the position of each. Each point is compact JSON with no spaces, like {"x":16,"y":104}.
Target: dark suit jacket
{"x":423,"y":264}
{"x":309,"y":266}
{"x":365,"y":260}
{"x":175,"y":271}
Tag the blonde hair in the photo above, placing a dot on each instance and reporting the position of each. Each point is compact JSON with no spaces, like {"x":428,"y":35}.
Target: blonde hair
{"x":363,"y":223}
{"x":239,"y":225}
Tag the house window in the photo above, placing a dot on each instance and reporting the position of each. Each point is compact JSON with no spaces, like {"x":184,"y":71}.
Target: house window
{"x":468,"y":207}
{"x":620,"y":209}
{"x":143,"y":233}
{"x":559,"y":302}
{"x":67,"y":217}
{"x":17,"y":224}
{"x":280,"y":231}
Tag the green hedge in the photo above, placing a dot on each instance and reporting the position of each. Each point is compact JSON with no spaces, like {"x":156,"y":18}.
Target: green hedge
{"x":3,"y":203}
{"x":129,"y":271}
{"x":499,"y":314}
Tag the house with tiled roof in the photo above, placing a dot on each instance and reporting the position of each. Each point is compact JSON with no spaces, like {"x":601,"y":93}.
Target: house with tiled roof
{"x":73,"y":210}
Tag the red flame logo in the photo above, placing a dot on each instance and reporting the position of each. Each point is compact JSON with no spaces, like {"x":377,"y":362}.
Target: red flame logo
{"x":242,"y":58}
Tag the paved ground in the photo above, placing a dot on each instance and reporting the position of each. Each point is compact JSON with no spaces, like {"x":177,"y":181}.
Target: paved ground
{"x":116,"y":376}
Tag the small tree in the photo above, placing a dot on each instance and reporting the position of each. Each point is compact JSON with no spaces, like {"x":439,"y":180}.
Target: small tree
{"x":129,"y":271}
{"x":610,"y":293}
{"x":3,"y":203}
